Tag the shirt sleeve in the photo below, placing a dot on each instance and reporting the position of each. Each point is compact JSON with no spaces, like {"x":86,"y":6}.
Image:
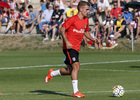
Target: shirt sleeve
{"x":124,"y":22}
{"x":36,"y":12}
{"x":112,"y":22}
{"x":68,"y":23}
{"x":43,"y":15}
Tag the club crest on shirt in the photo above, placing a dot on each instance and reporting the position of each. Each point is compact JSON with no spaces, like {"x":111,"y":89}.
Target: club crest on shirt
{"x":73,"y":59}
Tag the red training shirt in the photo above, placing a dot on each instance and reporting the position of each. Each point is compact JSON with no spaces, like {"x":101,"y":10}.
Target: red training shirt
{"x":75,"y":29}
{"x":115,"y":12}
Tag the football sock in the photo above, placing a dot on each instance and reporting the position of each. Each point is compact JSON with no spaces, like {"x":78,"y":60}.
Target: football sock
{"x":75,"y":86}
{"x":55,"y":73}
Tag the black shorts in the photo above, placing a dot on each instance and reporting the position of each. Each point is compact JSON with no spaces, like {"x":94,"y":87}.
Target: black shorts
{"x":72,"y":56}
{"x":135,"y":31}
{"x":123,"y":33}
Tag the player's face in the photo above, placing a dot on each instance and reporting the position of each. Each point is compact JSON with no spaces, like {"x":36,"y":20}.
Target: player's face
{"x":119,"y":16}
{"x":12,"y":11}
{"x":85,"y":11}
{"x":30,"y":9}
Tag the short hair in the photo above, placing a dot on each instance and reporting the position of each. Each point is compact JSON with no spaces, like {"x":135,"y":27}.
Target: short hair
{"x":41,"y":0}
{"x":30,"y":6}
{"x":81,"y":4}
{"x":120,"y":14}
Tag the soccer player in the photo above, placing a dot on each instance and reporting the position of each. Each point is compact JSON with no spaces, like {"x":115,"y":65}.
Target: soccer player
{"x":72,"y":31}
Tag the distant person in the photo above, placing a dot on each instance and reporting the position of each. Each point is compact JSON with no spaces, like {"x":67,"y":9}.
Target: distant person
{"x":48,"y":2}
{"x":111,"y":42}
{"x":73,"y":10}
{"x":12,"y":4}
{"x":3,"y":18}
{"x":137,"y":16}
{"x":58,"y":14}
{"x":119,"y":27}
{"x":52,"y":28}
{"x":44,"y":19}
{"x":93,"y":8}
{"x":128,"y":18}
{"x":103,"y":7}
{"x":99,"y":43}
{"x":115,"y":11}
{"x":14,"y":17}
{"x":61,"y":4}
{"x":97,"y":28}
{"x":42,"y":5}
{"x":134,"y":26}
{"x":19,"y":2}
{"x":127,"y":15}
{"x":107,"y":27}
{"x":33,"y":18}
{"x":123,"y":3}
{"x":23,"y":17}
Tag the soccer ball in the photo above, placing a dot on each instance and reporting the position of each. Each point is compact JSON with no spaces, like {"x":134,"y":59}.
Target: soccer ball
{"x":118,"y":91}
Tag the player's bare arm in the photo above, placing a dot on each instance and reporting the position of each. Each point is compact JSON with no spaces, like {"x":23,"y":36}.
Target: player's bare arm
{"x":87,"y":35}
{"x":68,"y":44}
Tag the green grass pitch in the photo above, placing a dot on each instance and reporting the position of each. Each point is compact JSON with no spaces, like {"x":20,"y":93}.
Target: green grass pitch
{"x":22,"y":75}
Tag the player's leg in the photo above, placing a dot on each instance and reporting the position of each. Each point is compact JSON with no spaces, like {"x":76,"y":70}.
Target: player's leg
{"x":66,"y":71}
{"x":32,"y":26}
{"x":62,"y":71}
{"x":74,"y":77}
{"x":117,"y":36}
{"x":73,"y":57}
{"x":23,"y":27}
{"x":18,"y":26}
{"x":53,"y":33}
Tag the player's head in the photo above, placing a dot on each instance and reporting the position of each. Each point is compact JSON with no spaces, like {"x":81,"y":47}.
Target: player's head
{"x":115,"y":5}
{"x":12,"y":11}
{"x":111,"y":37}
{"x":53,"y":19}
{"x":30,"y":7}
{"x":41,"y":2}
{"x":108,"y":17}
{"x":119,"y":16}
{"x":83,"y":8}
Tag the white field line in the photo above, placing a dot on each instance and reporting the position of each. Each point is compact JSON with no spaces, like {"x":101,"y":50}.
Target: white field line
{"x":41,"y":66}
{"x":111,"y":70}
{"x":88,"y":92}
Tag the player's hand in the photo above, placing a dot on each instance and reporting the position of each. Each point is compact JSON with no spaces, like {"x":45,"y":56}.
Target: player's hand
{"x":68,"y":45}
{"x":31,"y":22}
{"x":96,"y":40}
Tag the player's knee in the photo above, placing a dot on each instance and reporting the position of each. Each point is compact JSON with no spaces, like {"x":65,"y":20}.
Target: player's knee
{"x":76,"y":66}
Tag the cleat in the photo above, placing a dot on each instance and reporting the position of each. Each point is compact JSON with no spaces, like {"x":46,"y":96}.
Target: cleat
{"x":49,"y":76}
{"x":78,"y":95}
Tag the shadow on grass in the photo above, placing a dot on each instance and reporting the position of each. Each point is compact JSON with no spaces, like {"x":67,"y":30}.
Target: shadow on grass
{"x":49,"y":92}
{"x":134,"y":66}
